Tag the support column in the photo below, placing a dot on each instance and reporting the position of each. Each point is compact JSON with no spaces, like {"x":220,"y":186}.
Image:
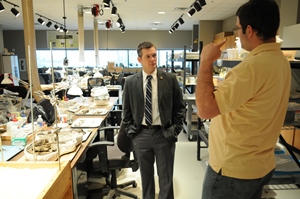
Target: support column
{"x":29,"y":39}
{"x":1,"y":49}
{"x":195,"y":38}
{"x":81,"y":34}
{"x":96,"y":43}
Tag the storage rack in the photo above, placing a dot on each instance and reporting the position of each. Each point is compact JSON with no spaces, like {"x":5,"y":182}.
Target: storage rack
{"x":188,"y":98}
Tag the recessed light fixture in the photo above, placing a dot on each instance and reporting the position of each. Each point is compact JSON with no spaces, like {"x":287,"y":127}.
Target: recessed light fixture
{"x":161,"y":13}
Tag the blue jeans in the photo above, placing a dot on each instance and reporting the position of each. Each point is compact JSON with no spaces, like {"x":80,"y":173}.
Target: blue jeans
{"x":216,"y":186}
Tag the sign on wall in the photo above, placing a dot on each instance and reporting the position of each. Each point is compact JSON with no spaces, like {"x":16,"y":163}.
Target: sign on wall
{"x":60,"y":39}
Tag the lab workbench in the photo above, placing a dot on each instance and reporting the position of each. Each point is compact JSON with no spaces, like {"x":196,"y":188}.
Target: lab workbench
{"x":75,"y":158}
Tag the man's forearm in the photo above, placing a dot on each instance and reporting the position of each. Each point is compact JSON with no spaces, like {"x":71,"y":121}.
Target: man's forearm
{"x":205,"y":99}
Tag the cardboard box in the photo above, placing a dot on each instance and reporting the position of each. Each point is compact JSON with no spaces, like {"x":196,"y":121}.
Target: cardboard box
{"x":287,"y":133}
{"x":111,"y":66}
{"x":230,"y":42}
{"x":296,"y":142}
{"x":221,"y":35}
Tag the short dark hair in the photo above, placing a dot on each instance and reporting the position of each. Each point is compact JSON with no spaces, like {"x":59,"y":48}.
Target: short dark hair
{"x":262,"y":15}
{"x":144,"y":45}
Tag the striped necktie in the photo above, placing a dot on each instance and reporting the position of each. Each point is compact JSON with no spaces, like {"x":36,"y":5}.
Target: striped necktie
{"x":148,"y":105}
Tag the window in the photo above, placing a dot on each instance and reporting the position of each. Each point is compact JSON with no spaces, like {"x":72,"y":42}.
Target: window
{"x":122,"y":58}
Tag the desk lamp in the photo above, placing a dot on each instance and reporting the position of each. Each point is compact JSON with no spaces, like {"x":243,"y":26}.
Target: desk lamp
{"x":6,"y":79}
{"x":75,"y":90}
{"x":98,"y":74}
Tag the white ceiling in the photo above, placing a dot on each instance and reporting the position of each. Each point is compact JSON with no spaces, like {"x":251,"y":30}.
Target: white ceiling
{"x":136,"y":14}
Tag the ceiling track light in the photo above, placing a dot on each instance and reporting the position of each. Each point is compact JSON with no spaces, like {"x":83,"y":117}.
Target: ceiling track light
{"x":197,"y":6}
{"x":1,"y":7}
{"x":106,"y":7}
{"x":13,"y":10}
{"x":106,"y":2}
{"x":191,"y":12}
{"x":58,"y":26}
{"x":49,"y":23}
{"x":119,"y":22}
{"x":122,"y":28}
{"x":181,"y":21}
{"x":41,"y":21}
{"x":202,"y":2}
{"x":176,"y":24}
{"x":114,"y":11}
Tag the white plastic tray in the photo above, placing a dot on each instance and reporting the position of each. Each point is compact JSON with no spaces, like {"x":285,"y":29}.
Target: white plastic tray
{"x":91,"y":112}
{"x":87,"y":123}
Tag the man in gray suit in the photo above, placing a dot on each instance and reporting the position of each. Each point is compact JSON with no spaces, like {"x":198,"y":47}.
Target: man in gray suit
{"x":155,"y":127}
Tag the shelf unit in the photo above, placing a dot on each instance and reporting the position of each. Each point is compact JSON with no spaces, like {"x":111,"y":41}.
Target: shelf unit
{"x":190,"y":126}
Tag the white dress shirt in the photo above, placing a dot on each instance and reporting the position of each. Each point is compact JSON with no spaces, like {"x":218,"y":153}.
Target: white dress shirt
{"x":155,"y":111}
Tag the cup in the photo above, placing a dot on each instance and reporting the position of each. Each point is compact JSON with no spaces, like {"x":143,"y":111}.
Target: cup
{"x":63,"y":118}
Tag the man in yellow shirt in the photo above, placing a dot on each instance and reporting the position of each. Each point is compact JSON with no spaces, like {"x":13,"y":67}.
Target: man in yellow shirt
{"x":247,"y":109}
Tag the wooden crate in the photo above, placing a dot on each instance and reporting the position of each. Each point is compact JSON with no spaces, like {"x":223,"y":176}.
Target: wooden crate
{"x":58,"y":187}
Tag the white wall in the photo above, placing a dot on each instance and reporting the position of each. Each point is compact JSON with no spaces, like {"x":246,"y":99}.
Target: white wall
{"x":1,"y":49}
{"x":208,"y":29}
{"x":288,"y":14}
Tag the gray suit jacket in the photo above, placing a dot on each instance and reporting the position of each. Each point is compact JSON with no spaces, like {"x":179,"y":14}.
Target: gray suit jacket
{"x":171,"y":106}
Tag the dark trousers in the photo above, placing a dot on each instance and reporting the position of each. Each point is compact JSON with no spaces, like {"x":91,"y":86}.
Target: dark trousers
{"x":151,"y":146}
{"x":217,"y":186}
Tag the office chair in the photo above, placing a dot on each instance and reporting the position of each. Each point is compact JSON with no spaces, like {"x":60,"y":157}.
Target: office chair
{"x":47,"y":78}
{"x":57,"y":76}
{"x":42,"y":80}
{"x":82,"y":73}
{"x":18,"y":89}
{"x":110,"y":158}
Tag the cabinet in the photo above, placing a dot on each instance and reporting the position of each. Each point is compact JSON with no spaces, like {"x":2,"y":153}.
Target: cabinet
{"x":11,"y":65}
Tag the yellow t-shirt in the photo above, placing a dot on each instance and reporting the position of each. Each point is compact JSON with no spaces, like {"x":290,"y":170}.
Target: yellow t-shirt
{"x":252,"y":101}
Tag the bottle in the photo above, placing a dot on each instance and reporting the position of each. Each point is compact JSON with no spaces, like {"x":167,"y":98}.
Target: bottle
{"x":39,"y":121}
{"x":13,"y":129}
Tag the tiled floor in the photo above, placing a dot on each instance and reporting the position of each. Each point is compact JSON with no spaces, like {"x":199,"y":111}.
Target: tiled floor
{"x":189,"y":174}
